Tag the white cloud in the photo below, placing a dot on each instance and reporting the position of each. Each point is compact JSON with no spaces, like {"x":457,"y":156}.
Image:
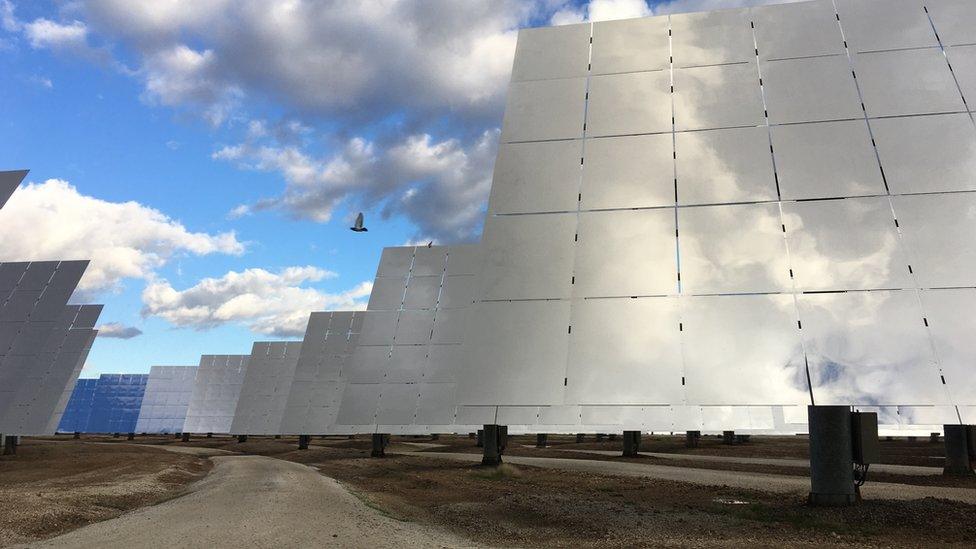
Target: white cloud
{"x":117,"y":330}
{"x":360,"y":61}
{"x":439,"y":185}
{"x":180,"y":76}
{"x":52,"y":220}
{"x":44,"y":33}
{"x":8,"y":21}
{"x":271,"y":303}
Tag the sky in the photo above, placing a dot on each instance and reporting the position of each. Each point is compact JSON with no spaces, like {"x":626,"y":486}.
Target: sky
{"x":208,"y":156}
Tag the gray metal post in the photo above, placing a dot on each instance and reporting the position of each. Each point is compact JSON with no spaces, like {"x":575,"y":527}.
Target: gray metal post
{"x":277,"y":437}
{"x":303,"y":441}
{"x":209,"y":435}
{"x":631,"y":443}
{"x":934,"y":438}
{"x":116,"y":435}
{"x":692,"y":439}
{"x":241,"y":439}
{"x":77,"y":435}
{"x":957,"y":459}
{"x":541,"y":440}
{"x":10,"y":445}
{"x":580,"y":437}
{"x":379,"y":445}
{"x":831,"y":456}
{"x":481,"y":439}
{"x":185,"y":437}
{"x":492,"y":454}
{"x":502,"y":438}
{"x":130,"y":436}
{"x":728,"y":437}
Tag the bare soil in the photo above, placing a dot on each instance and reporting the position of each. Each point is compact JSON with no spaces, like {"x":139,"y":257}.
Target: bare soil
{"x":49,"y":488}
{"x":534,"y":507}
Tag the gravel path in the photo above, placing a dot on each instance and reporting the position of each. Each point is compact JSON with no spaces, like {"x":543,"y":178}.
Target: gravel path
{"x":711,"y":477}
{"x":255,"y":501}
{"x":912,"y":470}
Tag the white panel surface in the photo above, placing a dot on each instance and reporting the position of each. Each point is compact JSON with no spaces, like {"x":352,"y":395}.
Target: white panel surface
{"x":898,"y":83}
{"x":606,"y":264}
{"x":927,"y":153}
{"x":806,"y":29}
{"x":628,"y":172}
{"x":732,"y":249}
{"x":711,"y":38}
{"x":215,"y":393}
{"x":527,"y":256}
{"x":628,"y":104}
{"x":939,"y":231}
{"x":544,"y":109}
{"x":167,"y":397}
{"x":630,"y":45}
{"x":827,"y":160}
{"x":625,"y":351}
{"x":552,"y":52}
{"x":722,"y":166}
{"x":536,"y":177}
{"x":722,"y":96}
{"x":810,"y":90}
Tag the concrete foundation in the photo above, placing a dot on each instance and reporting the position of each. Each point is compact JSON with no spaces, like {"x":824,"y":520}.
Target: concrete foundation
{"x":631,"y":443}
{"x":10,"y":443}
{"x":728,"y":437}
{"x":185,"y":437}
{"x":692,"y":438}
{"x":303,"y":441}
{"x":493,"y":448}
{"x":541,"y":440}
{"x":831,"y":456}
{"x":241,"y":439}
{"x":380,"y":442}
{"x":958,"y":459}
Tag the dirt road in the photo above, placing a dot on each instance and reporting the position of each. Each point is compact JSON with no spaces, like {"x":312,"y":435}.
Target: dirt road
{"x":255,"y":501}
{"x":714,"y":477}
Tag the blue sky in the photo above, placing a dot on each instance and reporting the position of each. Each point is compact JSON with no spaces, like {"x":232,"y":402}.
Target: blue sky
{"x":208,"y":156}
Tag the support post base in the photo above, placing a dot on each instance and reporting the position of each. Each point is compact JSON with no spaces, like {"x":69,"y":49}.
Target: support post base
{"x":541,"y":440}
{"x":303,"y":441}
{"x":379,"y":445}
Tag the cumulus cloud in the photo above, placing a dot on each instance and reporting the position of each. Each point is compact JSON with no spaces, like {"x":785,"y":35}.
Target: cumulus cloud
{"x":361,"y":61}
{"x":440,"y":185}
{"x":44,"y":33}
{"x":271,"y":303}
{"x":52,"y":220}
{"x":117,"y":330}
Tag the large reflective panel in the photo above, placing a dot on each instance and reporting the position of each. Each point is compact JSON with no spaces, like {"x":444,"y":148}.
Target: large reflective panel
{"x":528,"y":256}
{"x":627,"y":104}
{"x":949,"y":314}
{"x":395,"y":261}
{"x":516,"y":353}
{"x":625,"y":351}
{"x":9,"y":181}
{"x":849,"y":244}
{"x":927,"y":153}
{"x":869,"y":348}
{"x":378,"y":327}
{"x":804,"y":29}
{"x":536,"y":177}
{"x":443,"y":363}
{"x":939,"y":231}
{"x":413,"y":327}
{"x":397,"y":404}
{"x":717,"y":97}
{"x":810,"y":90}
{"x":897,"y":83}
{"x":721,"y":166}
{"x":732,"y":249}
{"x":552,"y":52}
{"x":628,"y":172}
{"x":742,"y":350}
{"x":448,"y":326}
{"x":387,"y":293}
{"x":458,"y":291}
{"x":626,"y":253}
{"x":422,"y":292}
{"x":711,"y":38}
{"x":359,"y":402}
{"x":436,"y":404}
{"x":826,"y":160}
{"x":544,"y":109}
{"x":630,"y":45}
{"x":872,"y":25}
{"x":963,"y":60}
{"x":955,"y":20}
{"x":406,"y":364}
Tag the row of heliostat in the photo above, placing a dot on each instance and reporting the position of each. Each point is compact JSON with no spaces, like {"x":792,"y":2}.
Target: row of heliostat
{"x":44,"y":341}
{"x":394,"y":368}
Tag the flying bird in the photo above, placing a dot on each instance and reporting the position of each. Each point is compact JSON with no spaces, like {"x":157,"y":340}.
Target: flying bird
{"x":358,"y":226}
